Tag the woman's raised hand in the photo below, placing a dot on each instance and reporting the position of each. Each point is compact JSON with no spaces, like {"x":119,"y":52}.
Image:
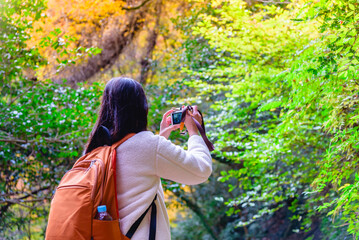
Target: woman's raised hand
{"x":166,"y":128}
{"x":190,"y":125}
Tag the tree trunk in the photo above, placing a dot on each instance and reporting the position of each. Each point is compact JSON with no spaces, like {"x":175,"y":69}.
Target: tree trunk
{"x":113,"y":43}
{"x":151,"y":43}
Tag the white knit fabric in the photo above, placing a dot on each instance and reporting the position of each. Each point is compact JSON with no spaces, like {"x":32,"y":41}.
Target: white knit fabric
{"x":141,"y":163}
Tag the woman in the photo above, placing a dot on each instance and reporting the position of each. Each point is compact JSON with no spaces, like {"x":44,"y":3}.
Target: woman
{"x":145,"y":158}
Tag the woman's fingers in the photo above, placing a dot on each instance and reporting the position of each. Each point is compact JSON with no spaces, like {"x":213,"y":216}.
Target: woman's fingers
{"x":166,"y":128}
{"x":167,"y":113}
{"x":165,"y":122}
{"x":173,"y":127}
{"x":196,"y":114}
{"x":167,"y":131}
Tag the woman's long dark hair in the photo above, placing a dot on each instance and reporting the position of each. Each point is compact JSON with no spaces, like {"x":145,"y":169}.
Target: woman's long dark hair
{"x":123,"y":110}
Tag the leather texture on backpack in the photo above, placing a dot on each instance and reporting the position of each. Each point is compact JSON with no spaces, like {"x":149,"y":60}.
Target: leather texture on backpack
{"x":91,"y":182}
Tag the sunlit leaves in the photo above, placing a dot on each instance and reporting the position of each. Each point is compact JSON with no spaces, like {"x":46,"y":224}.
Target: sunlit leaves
{"x":294,"y":98}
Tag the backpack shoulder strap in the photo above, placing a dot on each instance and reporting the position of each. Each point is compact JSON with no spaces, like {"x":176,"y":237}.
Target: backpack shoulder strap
{"x":134,"y":227}
{"x":116,"y":144}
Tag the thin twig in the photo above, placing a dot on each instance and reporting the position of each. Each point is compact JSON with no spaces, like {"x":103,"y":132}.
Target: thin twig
{"x":11,"y":202}
{"x":343,"y":225}
{"x":136,"y":7}
{"x":35,"y":191}
{"x":274,"y":2}
{"x":19,"y":201}
{"x":20,"y":95}
{"x":51,"y":140}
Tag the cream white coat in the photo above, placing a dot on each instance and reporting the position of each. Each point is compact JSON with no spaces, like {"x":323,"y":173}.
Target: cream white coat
{"x":141,"y":163}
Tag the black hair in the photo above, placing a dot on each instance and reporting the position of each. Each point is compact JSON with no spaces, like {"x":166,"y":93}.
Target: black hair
{"x":123,"y":110}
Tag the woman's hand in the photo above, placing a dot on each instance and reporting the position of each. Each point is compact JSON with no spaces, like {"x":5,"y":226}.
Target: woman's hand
{"x":190,"y":125}
{"x":166,"y":128}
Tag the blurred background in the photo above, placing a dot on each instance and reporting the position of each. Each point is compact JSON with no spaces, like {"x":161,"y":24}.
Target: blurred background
{"x":277,"y":81}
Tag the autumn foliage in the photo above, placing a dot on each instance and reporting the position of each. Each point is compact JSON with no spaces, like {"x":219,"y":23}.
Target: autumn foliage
{"x":276,"y":81}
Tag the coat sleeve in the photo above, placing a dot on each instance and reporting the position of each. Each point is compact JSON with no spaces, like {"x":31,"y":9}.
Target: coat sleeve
{"x":189,"y":167}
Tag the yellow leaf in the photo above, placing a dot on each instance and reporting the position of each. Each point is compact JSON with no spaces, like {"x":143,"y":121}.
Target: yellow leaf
{"x":344,"y":186}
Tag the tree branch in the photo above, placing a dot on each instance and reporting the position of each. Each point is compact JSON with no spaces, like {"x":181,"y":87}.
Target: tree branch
{"x":136,"y":7}
{"x":21,"y":202}
{"x":236,"y":165}
{"x":9,"y":202}
{"x":20,"y":95}
{"x":274,"y":2}
{"x":51,"y":140}
{"x":196,"y":209}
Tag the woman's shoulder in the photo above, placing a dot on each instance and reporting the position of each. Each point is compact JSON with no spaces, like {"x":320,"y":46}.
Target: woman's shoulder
{"x":143,"y":144}
{"x":143,"y":139}
{"x":146,"y":141}
{"x":145,"y":135}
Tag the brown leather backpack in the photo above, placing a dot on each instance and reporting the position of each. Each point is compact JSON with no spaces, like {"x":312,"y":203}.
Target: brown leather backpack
{"x":91,"y":182}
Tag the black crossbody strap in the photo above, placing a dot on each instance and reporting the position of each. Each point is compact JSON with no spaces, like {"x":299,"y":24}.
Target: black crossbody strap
{"x":152,"y":223}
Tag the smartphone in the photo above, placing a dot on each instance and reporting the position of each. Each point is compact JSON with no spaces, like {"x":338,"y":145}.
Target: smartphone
{"x":176,"y":117}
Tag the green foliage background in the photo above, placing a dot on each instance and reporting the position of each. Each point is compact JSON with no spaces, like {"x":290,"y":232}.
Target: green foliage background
{"x":278,"y":84}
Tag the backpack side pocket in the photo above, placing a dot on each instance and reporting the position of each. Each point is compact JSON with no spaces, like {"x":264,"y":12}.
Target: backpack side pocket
{"x":105,"y":230}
